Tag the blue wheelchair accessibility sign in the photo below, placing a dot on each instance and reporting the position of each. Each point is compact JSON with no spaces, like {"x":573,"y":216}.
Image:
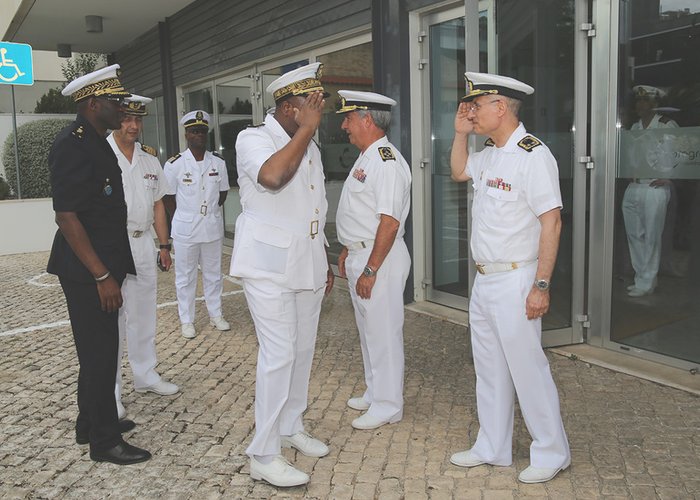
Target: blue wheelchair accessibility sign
{"x":16,"y":66}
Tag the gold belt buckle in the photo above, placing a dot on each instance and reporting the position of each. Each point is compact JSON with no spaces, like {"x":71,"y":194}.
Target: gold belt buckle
{"x":314,"y":229}
{"x":137,"y":234}
{"x":480,"y":268}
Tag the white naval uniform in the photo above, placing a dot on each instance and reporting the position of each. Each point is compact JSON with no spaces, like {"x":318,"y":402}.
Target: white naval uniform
{"x":376,"y":187}
{"x":144,"y":184}
{"x":197,"y":229}
{"x":644,"y":211}
{"x":279,"y":253}
{"x":512,"y":187}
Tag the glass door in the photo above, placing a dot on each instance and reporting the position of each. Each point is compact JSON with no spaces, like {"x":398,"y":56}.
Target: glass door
{"x":649,"y":287}
{"x":536,"y":44}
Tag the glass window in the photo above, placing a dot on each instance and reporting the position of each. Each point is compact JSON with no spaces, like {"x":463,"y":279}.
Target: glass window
{"x":656,"y":252}
{"x":235,"y":113}
{"x":346,"y":69}
{"x":153,"y":129}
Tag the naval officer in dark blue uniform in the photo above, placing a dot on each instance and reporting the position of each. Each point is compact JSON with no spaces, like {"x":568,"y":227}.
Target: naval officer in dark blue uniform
{"x":91,"y":256}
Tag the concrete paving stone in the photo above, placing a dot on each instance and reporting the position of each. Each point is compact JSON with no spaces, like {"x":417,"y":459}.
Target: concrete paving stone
{"x":620,"y":428}
{"x":497,"y":494}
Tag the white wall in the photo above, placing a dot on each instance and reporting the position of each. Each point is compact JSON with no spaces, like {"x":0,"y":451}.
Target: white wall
{"x":26,"y":226}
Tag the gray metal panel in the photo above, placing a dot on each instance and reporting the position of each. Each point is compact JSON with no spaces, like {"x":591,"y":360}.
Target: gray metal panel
{"x":140,"y":64}
{"x":216,"y":37}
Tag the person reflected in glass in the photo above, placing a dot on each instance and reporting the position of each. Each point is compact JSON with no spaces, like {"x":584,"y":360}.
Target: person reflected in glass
{"x":645,"y":201}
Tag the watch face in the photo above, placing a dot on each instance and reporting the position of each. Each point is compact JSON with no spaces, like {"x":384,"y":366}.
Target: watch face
{"x":542,"y":284}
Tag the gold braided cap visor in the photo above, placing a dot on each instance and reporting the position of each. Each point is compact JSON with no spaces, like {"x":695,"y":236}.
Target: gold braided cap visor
{"x":347,"y":106}
{"x":305,"y":86}
{"x":111,"y":87}
{"x":196,"y":122}
{"x":134,"y":108}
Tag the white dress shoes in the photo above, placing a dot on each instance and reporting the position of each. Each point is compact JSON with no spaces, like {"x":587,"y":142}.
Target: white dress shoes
{"x":466,"y":459}
{"x":220,"y":324}
{"x":121,"y":411}
{"x":367,"y":422}
{"x":161,"y":387}
{"x":188,"y":331}
{"x":358,"y":404}
{"x":279,"y":472}
{"x":539,"y":474}
{"x":306,"y":444}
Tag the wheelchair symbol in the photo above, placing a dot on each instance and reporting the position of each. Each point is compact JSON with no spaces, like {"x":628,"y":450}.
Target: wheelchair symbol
{"x":8,"y":63}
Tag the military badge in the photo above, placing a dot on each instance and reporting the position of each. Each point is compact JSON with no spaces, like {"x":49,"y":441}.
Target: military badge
{"x":107,"y":188}
{"x":498,"y":183}
{"x":489,"y":142}
{"x":385,"y":153}
{"x":359,"y":174}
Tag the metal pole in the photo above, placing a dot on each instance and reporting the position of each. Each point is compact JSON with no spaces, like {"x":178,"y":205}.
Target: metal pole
{"x":14,"y":129}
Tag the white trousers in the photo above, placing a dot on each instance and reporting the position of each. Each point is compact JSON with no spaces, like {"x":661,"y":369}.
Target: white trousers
{"x":644,"y":210}
{"x":208,"y":256}
{"x":137,"y":316}
{"x":286,"y":322}
{"x":509,"y":360}
{"x":380,"y":323}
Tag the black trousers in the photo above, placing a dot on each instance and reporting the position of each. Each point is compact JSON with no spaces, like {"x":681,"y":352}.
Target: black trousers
{"x":96,"y":335}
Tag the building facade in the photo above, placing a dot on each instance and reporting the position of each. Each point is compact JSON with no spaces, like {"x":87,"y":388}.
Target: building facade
{"x":584,"y":58}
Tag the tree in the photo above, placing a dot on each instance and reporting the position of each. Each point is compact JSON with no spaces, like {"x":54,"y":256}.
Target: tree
{"x":55,"y":102}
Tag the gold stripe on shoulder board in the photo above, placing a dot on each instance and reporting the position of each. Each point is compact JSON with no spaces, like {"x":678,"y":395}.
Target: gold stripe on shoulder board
{"x":385,"y":153}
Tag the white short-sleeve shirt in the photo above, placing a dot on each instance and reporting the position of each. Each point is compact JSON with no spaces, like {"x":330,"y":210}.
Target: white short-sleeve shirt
{"x":144,"y":184}
{"x":513,"y":185}
{"x":378,"y":184}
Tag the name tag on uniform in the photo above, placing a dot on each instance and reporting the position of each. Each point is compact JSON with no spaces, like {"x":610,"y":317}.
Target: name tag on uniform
{"x":212,"y":174}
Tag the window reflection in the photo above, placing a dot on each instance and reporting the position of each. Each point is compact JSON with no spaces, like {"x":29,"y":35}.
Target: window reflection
{"x":657,"y":247}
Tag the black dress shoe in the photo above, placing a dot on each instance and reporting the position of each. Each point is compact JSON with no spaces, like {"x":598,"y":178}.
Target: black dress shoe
{"x":124,"y":426}
{"x":121,"y":454}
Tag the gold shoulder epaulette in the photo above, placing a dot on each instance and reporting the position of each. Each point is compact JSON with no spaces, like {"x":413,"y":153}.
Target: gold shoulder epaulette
{"x":528,"y":143}
{"x":217,"y":154}
{"x":149,"y":150}
{"x":489,"y":142}
{"x":171,"y":160}
{"x":78,"y":132}
{"x":385,"y":153}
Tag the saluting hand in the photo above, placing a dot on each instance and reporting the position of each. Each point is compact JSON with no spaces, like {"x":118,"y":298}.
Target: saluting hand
{"x":463,"y":125}
{"x":110,"y":295}
{"x":309,"y":114}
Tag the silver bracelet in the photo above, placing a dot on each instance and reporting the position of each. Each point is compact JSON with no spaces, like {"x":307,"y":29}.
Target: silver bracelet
{"x":102,"y":278}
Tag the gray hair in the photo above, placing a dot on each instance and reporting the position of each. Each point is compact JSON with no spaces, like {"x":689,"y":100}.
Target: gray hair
{"x":382,"y":119}
{"x":513,"y":105}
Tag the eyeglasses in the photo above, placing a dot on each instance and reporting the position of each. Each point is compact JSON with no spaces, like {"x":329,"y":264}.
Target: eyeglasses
{"x":475,"y":107}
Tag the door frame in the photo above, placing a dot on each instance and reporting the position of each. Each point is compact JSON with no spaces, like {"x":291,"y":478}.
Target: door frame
{"x":419,"y":21}
{"x":604,"y":110}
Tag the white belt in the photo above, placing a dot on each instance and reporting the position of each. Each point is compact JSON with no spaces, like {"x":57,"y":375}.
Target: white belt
{"x":305,"y":228}
{"x":500,"y":267}
{"x":359,"y":245}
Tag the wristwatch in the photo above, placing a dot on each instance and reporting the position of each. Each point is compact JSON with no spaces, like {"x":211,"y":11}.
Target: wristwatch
{"x":542,"y":285}
{"x":369,"y":272}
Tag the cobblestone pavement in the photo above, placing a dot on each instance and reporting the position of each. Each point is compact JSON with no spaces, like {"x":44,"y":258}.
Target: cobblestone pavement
{"x":630,"y":438}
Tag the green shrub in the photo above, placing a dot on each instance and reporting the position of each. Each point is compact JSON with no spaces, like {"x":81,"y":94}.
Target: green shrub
{"x":4,"y":189}
{"x":34,"y":143}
